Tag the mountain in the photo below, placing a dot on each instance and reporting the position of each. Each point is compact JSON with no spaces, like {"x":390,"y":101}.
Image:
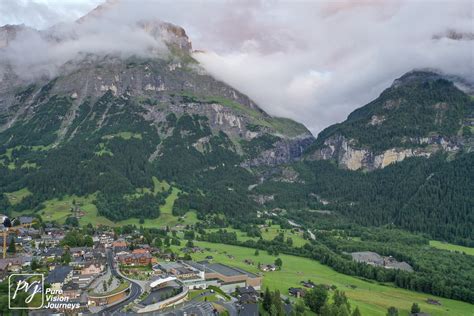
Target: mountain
{"x":422,"y":113}
{"x":109,"y":125}
{"x":150,"y":130}
{"x":415,"y":139}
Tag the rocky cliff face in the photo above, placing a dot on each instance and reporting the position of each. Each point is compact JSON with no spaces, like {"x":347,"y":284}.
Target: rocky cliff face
{"x":156,"y":87}
{"x":110,"y":124}
{"x":349,"y":156}
{"x":421,"y":114}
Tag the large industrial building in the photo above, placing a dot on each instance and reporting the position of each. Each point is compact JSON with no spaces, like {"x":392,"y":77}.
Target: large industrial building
{"x":204,"y":274}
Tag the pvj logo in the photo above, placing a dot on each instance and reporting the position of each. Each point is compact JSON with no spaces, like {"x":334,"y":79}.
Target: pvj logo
{"x":25,"y":291}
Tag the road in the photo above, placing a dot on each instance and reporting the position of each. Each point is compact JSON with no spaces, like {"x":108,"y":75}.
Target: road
{"x":135,"y":290}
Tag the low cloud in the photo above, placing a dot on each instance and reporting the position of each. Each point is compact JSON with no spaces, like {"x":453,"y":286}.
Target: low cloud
{"x":312,"y":61}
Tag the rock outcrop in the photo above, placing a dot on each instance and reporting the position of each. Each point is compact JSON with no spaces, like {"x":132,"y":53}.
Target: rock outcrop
{"x":349,"y":156}
{"x":421,"y":114}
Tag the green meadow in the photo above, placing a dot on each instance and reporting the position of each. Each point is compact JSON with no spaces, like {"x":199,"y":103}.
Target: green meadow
{"x":269,"y":233}
{"x":17,"y":196}
{"x":372,"y":298}
{"x":59,"y":209}
{"x":451,"y":247}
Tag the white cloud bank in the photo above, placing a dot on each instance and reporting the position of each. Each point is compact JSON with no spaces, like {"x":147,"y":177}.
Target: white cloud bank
{"x":313,"y":61}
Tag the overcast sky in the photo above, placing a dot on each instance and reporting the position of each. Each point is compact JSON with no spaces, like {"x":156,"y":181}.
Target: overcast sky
{"x":313,"y":61}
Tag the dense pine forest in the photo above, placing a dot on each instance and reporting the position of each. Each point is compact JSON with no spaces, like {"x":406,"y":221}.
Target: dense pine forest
{"x":423,"y":195}
{"x":414,"y":107}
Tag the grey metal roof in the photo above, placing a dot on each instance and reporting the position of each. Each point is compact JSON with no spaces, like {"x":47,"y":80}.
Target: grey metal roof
{"x":58,"y":275}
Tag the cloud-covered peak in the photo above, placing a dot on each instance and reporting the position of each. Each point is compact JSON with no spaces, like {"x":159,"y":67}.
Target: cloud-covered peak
{"x":312,"y":61}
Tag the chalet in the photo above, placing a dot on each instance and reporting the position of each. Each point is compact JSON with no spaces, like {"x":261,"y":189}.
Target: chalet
{"x":52,"y":253}
{"x":46,"y":241}
{"x":268,"y":267}
{"x":132,"y":259}
{"x":71,"y":290}
{"x":119,"y":246}
{"x":79,"y":251}
{"x":78,"y":262}
{"x":92,"y":268}
{"x":191,"y":249}
{"x":14,"y":264}
{"x":140,"y":251}
{"x":246,"y":295}
{"x":296,"y":291}
{"x":246,"y":299}
{"x":309,"y":284}
{"x":26,"y":220}
{"x":59,"y":276}
{"x":106,"y":239}
{"x":28,"y":232}
{"x":167,"y":256}
{"x":144,"y":246}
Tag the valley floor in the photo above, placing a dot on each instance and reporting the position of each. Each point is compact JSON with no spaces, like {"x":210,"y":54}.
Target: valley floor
{"x":371,"y":297}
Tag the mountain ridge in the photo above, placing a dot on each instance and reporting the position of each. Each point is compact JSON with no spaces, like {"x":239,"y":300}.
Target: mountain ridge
{"x":110,"y":126}
{"x":420,"y":114}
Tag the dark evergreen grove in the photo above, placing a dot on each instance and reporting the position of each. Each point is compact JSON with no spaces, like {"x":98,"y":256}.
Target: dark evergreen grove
{"x":432,"y":196}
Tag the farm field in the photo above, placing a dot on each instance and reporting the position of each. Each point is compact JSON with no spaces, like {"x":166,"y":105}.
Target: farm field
{"x":269,"y":233}
{"x":371,"y":297}
{"x":451,"y":247}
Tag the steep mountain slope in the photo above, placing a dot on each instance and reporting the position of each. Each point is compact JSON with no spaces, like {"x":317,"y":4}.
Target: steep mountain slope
{"x":424,"y":122}
{"x":432,"y":196}
{"x":107,"y":125}
{"x":420,"y":114}
{"x":111,"y":127}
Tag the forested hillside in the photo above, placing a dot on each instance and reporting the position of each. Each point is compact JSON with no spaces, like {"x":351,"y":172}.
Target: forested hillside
{"x":425,"y":195}
{"x":64,"y":137}
{"x":110,"y":126}
{"x":420,"y":114}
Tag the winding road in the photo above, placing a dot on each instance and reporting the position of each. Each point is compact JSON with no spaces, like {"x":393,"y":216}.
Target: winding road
{"x":135,"y":290}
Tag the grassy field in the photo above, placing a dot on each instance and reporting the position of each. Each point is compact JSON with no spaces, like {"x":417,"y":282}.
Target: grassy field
{"x":451,"y":247}
{"x":59,"y":209}
{"x":17,"y":196}
{"x":371,"y":297}
{"x":270,"y":233}
{"x":9,"y":156}
{"x":166,"y":217}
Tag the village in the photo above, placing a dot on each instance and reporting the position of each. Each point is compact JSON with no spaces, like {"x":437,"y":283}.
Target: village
{"x":130,"y":270}
{"x":113,"y":273}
